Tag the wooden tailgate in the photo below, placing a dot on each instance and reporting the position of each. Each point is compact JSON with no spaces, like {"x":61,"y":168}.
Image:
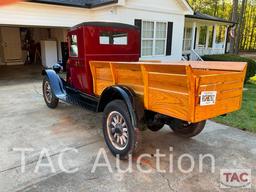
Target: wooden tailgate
{"x":228,"y":81}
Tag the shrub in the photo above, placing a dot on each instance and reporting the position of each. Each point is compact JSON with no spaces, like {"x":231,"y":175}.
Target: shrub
{"x":251,"y":67}
{"x":253,"y":80}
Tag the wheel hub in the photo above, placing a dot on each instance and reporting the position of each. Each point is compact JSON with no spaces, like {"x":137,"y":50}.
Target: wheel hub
{"x":117,"y":130}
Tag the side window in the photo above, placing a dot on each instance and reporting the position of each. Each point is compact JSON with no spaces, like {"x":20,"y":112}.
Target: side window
{"x":105,"y":38}
{"x":120,"y":39}
{"x":73,"y":46}
{"x":113,"y":38}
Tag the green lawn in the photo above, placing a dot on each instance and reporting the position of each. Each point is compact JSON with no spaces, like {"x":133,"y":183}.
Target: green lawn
{"x":245,"y":118}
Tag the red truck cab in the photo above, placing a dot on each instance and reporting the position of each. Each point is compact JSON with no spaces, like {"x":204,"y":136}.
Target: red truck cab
{"x":99,"y":41}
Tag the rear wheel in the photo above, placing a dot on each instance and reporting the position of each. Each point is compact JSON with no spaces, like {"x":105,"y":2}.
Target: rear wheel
{"x":185,"y":129}
{"x":120,"y":136}
{"x":49,"y":97}
{"x":154,"y":121}
{"x":155,"y":126}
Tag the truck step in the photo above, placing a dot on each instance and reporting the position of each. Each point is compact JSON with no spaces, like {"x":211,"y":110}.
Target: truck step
{"x":78,"y":100}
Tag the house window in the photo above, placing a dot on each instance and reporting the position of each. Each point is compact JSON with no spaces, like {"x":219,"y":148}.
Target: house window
{"x":154,"y":37}
{"x":113,"y":38}
{"x":210,"y":28}
{"x":187,"y":40}
{"x":220,"y":34}
{"x":203,"y":36}
{"x":73,"y":46}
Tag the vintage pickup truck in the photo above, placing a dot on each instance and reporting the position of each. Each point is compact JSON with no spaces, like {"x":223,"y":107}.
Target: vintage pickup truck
{"x":104,"y":74}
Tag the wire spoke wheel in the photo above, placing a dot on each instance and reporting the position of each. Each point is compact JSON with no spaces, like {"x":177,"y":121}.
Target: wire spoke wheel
{"x":121,"y":137}
{"x":48,"y":92}
{"x":49,"y":97}
{"x":117,"y":130}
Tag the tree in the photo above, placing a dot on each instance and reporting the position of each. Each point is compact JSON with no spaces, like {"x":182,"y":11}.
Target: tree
{"x":240,"y":27}
{"x":242,"y":12}
{"x":234,"y":19}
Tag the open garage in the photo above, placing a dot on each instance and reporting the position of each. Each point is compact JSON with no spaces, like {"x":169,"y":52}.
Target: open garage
{"x":33,"y":35}
{"x":22,"y":45}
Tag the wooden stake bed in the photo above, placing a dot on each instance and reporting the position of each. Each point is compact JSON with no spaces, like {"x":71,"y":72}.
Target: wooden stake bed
{"x":175,"y":89}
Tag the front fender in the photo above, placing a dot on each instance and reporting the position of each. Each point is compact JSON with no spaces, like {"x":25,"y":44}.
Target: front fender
{"x":57,"y":83}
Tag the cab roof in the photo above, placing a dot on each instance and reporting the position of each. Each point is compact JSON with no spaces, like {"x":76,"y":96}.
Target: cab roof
{"x":105,"y":24}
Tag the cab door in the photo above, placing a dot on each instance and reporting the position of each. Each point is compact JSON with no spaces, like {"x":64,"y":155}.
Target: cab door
{"x":75,"y":66}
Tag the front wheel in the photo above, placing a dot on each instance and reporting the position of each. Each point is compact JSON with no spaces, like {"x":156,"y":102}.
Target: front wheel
{"x":120,"y":136}
{"x":185,"y":129}
{"x":49,"y":97}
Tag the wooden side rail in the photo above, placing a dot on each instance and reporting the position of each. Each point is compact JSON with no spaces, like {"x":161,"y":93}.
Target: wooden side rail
{"x":174,"y":89}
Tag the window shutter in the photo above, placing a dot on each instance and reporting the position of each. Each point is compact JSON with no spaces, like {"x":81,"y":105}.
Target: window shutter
{"x":138,"y":23}
{"x":169,"y":38}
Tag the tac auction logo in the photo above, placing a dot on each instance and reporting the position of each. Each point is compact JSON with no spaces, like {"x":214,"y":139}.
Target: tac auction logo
{"x":5,"y":2}
{"x":235,"y":178}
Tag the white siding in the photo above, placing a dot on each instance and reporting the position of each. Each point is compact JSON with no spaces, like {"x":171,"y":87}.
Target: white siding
{"x":128,"y":13}
{"x":34,"y":14}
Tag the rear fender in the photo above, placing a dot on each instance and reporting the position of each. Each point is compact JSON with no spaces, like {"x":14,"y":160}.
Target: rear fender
{"x":57,"y":83}
{"x":134,"y":105}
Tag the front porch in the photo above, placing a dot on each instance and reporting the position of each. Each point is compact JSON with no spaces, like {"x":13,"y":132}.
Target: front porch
{"x":205,"y":35}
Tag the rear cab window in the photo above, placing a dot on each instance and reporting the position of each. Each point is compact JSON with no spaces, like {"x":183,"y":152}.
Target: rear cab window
{"x":113,"y":38}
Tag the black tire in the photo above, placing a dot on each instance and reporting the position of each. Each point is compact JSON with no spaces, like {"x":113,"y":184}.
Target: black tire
{"x":185,"y":129}
{"x":49,"y":97}
{"x":127,"y":133}
{"x":155,"y":126}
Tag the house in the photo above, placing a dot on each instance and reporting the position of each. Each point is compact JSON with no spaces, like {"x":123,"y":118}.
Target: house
{"x":169,"y":28}
{"x":205,"y":35}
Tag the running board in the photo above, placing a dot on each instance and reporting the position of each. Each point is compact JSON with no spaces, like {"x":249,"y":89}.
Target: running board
{"x":79,"y":99}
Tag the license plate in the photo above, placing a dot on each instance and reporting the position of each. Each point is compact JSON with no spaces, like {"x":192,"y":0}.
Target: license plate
{"x":208,"y":98}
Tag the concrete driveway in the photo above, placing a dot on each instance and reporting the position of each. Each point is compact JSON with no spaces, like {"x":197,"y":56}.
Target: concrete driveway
{"x":26,"y":122}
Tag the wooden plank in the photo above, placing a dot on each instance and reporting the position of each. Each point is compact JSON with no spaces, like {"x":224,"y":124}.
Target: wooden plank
{"x":103,"y":73}
{"x":174,"y":82}
{"x":166,"y":68}
{"x":100,"y":63}
{"x":165,"y":81}
{"x":227,"y":77}
{"x":199,"y":72}
{"x":220,"y":87}
{"x":168,"y":103}
{"x":220,"y":108}
{"x":218,"y":65}
{"x":229,"y":94}
{"x":127,"y":66}
{"x":145,"y":81}
{"x":100,"y":85}
{"x":113,"y":72}
{"x":223,"y":95}
{"x":191,"y":84}
{"x":129,"y":76}
{"x":92,"y":67}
